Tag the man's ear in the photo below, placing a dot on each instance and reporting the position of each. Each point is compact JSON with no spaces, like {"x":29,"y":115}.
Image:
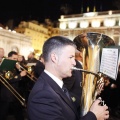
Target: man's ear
{"x":54,"y":57}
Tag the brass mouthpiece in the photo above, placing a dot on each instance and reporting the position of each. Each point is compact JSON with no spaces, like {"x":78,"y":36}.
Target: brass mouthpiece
{"x":74,"y":68}
{"x":90,"y":72}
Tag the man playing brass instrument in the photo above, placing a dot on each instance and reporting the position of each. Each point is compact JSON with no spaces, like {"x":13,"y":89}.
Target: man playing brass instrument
{"x":47,"y":100}
{"x":7,"y":99}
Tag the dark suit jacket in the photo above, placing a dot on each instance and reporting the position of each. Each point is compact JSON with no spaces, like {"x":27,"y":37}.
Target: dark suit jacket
{"x":48,"y":102}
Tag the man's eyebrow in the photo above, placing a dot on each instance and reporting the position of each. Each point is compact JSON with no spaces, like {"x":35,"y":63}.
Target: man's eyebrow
{"x":72,"y":55}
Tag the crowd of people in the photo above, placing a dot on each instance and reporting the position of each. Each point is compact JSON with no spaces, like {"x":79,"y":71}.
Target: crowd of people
{"x":45,"y":98}
{"x":17,"y":80}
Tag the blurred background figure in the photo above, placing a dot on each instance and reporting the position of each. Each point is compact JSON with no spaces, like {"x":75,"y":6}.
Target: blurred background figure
{"x":1,"y":54}
{"x":8,"y":102}
{"x":39,"y":67}
{"x":31,"y":62}
{"x":31,"y":58}
{"x":79,"y":56}
{"x":21,"y":60}
{"x":25,"y":82}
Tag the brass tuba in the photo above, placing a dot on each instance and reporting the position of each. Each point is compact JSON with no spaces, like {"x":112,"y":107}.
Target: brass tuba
{"x":91,"y":44}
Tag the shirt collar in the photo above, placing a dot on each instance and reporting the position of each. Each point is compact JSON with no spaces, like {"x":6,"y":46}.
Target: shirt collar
{"x":58,"y":81}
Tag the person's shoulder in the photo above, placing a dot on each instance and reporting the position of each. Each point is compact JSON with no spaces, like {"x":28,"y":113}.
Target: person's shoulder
{"x":34,"y":59}
{"x":39,"y":63}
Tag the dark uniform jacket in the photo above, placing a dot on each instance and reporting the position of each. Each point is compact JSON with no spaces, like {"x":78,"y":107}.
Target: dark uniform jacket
{"x":47,"y":101}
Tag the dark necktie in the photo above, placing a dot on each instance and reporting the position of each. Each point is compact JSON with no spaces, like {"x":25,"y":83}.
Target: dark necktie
{"x":66,"y":92}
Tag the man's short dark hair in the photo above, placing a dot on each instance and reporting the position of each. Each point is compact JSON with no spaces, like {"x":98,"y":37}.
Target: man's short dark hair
{"x":55,"y":43}
{"x":12,"y":53}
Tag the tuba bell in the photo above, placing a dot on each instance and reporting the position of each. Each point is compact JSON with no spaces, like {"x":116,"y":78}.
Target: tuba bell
{"x":91,"y":44}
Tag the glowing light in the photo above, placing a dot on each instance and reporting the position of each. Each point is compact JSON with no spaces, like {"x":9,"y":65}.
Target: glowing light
{"x":109,"y":22}
{"x":72,"y":25}
{"x":63,"y":25}
{"x":110,"y":12}
{"x":14,"y":31}
{"x":95,"y":23}
{"x":62,"y":16}
{"x":90,"y":14}
{"x":31,"y":49}
{"x":9,"y":30}
{"x":93,"y":46}
{"x":84,"y":24}
{"x":119,"y":22}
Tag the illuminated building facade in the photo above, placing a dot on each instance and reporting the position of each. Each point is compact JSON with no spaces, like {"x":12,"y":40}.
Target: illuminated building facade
{"x":37,"y":33}
{"x":12,"y":41}
{"x":107,"y":22}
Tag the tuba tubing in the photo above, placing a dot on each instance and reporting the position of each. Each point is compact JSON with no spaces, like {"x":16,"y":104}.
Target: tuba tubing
{"x":95,"y":87}
{"x":12,"y":90}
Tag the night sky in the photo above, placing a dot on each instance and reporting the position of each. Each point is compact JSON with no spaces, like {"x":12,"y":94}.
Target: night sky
{"x":40,"y":9}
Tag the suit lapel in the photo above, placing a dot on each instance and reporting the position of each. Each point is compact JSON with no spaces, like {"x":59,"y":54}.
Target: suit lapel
{"x":59,"y":91}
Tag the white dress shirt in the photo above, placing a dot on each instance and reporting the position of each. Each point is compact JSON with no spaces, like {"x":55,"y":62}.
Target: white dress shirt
{"x":58,"y":81}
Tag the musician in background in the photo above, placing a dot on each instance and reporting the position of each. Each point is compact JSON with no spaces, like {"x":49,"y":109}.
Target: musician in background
{"x":8,"y":102}
{"x":24,"y":83}
{"x":79,"y":56}
{"x":31,"y":58}
{"x":21,"y":60}
{"x":39,"y":67}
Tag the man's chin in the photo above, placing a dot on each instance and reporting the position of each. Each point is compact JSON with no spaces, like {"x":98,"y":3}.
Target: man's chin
{"x":70,"y":75}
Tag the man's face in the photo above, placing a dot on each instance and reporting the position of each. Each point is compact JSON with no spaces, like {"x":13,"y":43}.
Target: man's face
{"x":65,"y":62}
{"x":20,"y":58}
{"x":14,"y":57}
{"x":30,"y":56}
